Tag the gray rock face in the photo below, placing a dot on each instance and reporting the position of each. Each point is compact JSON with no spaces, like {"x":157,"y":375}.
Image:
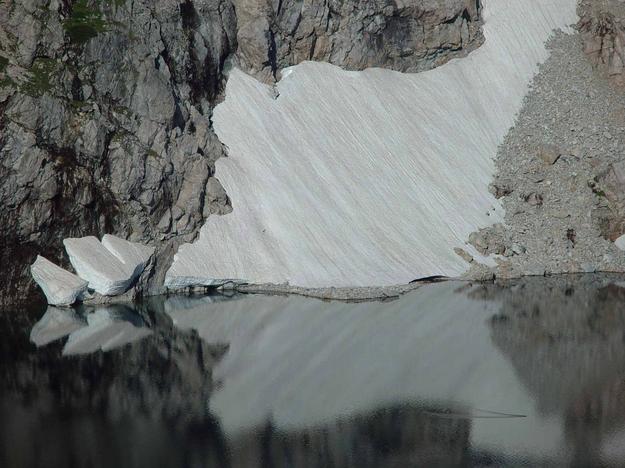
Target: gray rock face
{"x":602,"y":24}
{"x":105,"y":105}
{"x":410,"y":36}
{"x":103,"y":123}
{"x":609,"y":185}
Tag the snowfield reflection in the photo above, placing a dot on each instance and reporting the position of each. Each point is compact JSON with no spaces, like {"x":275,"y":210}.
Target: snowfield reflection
{"x":452,"y":374}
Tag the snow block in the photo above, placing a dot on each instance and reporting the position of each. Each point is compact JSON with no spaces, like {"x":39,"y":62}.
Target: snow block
{"x":106,"y":274}
{"x":132,"y":254}
{"x":60,"y":287}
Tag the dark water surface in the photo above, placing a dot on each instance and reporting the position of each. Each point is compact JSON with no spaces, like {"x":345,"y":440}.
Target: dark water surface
{"x":454,"y":374}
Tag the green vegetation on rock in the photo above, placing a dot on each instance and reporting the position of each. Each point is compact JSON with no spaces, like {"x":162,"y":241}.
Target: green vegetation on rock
{"x":78,"y":105}
{"x":4,"y":62}
{"x":84,"y":23}
{"x":39,"y":81}
{"x":5,"y":81}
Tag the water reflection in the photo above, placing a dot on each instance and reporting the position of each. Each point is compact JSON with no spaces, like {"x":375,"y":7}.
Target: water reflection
{"x":532,"y":372}
{"x":566,"y":343}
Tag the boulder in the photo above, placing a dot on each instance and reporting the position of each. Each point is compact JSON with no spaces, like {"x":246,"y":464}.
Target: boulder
{"x":60,"y":287}
{"x":548,"y":154}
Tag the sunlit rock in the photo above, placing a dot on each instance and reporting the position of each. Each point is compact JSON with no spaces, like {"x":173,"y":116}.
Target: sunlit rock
{"x":60,"y":287}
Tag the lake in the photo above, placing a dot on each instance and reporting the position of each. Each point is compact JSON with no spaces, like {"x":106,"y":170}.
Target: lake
{"x":530,"y":372}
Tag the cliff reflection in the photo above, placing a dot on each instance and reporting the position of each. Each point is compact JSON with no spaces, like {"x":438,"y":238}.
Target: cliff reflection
{"x":565,"y":337}
{"x":145,"y":402}
{"x":529,"y":372}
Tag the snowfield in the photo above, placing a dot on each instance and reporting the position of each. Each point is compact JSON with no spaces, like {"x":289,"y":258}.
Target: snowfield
{"x":342,"y":178}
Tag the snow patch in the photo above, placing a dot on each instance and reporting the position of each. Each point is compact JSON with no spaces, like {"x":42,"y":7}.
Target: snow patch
{"x":129,"y":253}
{"x":367,"y":178}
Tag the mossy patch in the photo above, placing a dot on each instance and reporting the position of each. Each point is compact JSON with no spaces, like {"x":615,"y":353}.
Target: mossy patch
{"x":122,"y":110}
{"x":79,"y":105}
{"x":84,"y":22}
{"x":39,"y":81}
{"x":4,"y":63}
{"x":5,"y":81}
{"x":119,"y":136}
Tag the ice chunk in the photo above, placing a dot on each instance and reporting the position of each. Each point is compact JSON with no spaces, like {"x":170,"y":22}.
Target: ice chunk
{"x":93,"y":262}
{"x":60,"y":287}
{"x":55,"y":324}
{"x":620,"y":242}
{"x":132,"y":254}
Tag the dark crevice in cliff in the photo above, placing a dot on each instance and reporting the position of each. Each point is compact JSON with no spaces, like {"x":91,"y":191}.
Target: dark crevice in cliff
{"x":271,"y":54}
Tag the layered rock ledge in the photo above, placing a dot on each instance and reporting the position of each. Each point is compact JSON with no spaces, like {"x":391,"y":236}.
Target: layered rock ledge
{"x":602,"y":26}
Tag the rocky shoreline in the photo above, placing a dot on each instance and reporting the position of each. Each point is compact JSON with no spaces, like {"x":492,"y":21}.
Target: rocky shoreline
{"x":373,"y":293}
{"x":561,"y":173}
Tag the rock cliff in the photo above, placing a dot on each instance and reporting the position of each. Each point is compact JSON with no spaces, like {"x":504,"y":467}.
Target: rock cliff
{"x":105,"y":105}
{"x":408,"y":35}
{"x":602,"y":24}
